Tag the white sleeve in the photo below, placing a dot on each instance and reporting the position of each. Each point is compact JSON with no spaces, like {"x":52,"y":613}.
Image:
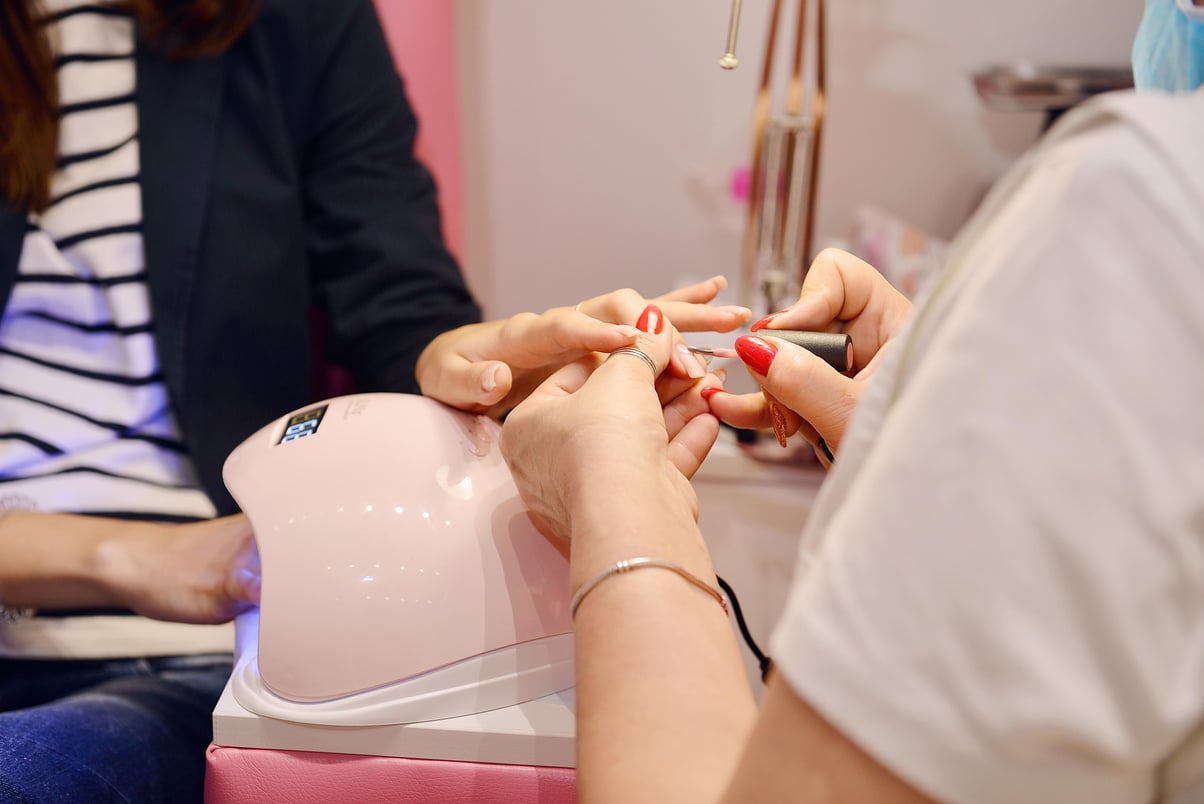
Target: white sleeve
{"x":1008,"y":604}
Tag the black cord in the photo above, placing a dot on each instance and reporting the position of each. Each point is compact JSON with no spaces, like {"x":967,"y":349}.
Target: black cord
{"x":764,"y":661}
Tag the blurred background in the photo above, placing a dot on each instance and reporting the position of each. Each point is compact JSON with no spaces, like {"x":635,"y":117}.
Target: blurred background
{"x":586,"y":146}
{"x":592,"y":145}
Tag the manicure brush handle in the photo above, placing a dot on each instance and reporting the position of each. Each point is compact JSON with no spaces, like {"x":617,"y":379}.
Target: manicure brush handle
{"x":835,"y":348}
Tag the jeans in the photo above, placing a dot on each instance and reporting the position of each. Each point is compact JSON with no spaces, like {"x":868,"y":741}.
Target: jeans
{"x":127,"y":730}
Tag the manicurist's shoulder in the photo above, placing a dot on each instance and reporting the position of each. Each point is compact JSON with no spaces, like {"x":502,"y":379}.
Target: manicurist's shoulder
{"x":1139,"y":137}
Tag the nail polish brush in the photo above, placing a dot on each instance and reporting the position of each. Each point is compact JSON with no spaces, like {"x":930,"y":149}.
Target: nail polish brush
{"x":835,"y":348}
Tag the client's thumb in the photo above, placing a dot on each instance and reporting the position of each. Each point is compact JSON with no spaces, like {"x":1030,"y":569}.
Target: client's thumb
{"x":471,"y":384}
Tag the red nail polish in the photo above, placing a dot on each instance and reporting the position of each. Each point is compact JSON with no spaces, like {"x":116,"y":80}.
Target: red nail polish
{"x":778,"y":420}
{"x":651,"y":320}
{"x":764,"y":322}
{"x":756,"y":353}
{"x":707,"y":393}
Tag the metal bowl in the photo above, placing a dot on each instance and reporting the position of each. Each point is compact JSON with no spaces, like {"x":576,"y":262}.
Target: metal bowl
{"x":1029,"y":88}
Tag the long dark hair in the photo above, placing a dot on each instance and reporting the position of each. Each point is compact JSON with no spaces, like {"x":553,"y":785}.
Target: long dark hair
{"x":29,"y":90}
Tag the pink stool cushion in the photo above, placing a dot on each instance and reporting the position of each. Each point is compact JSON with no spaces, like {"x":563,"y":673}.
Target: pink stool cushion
{"x":244,"y":775}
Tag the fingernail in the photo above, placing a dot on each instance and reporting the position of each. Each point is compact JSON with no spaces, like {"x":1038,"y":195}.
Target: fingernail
{"x":694,"y":367}
{"x":626,"y":330}
{"x":651,"y":320}
{"x":756,"y":353}
{"x":489,"y":379}
{"x":720,"y":280}
{"x":742,"y":312}
{"x":778,"y":419}
{"x":764,"y":322}
{"x":707,"y":393}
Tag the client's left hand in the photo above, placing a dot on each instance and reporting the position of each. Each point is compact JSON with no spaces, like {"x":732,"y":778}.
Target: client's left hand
{"x":198,"y":572}
{"x":605,"y":427}
{"x":492,"y":366}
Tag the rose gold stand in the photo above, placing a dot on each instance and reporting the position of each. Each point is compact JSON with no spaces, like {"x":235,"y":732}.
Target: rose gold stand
{"x":779,"y":234}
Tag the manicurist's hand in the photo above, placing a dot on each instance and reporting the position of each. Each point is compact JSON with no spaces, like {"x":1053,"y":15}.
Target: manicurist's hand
{"x":492,"y":366}
{"x":200,"y":572}
{"x":605,"y":431}
{"x":841,"y":293}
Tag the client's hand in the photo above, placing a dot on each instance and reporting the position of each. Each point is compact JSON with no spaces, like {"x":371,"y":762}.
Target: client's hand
{"x":604,"y":431}
{"x":841,"y":293}
{"x":201,"y":572}
{"x":492,"y":366}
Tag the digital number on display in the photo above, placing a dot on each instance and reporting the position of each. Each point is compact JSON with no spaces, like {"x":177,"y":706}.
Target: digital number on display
{"x":303,"y":424}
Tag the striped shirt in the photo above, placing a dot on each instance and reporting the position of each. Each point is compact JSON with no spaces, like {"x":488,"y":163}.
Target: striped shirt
{"x":85,"y":422}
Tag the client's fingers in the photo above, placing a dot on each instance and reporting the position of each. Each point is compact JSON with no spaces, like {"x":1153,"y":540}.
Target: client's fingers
{"x":527,"y":340}
{"x":686,"y":307}
{"x":697,"y":293}
{"x":469,"y":384}
{"x":689,"y":309}
{"x":685,"y":363}
{"x":242,"y":586}
{"x":706,"y":318}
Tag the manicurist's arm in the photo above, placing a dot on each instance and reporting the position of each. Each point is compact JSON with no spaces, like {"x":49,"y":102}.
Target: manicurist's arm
{"x":664,"y":711}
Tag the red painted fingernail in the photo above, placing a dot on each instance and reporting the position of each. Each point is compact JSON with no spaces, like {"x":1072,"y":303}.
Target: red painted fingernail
{"x":651,"y":320}
{"x":707,"y":393}
{"x":764,"y":322}
{"x":756,"y":353}
{"x":778,"y":420}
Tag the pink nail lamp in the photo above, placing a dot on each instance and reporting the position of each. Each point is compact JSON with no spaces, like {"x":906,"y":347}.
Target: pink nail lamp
{"x":402,"y":579}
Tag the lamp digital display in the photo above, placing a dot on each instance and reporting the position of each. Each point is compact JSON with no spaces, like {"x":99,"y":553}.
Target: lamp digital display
{"x":303,"y":424}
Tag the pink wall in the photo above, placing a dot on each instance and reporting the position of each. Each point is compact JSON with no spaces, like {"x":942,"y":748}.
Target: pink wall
{"x":422,"y":36}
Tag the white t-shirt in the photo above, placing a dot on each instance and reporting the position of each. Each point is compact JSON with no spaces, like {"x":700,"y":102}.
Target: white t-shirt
{"x":1001,"y":591}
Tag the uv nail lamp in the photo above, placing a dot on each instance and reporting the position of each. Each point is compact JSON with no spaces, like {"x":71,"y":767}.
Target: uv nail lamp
{"x":403,"y":581}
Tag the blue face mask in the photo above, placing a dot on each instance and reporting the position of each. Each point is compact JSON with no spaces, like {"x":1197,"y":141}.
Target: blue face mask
{"x":1168,"y":53}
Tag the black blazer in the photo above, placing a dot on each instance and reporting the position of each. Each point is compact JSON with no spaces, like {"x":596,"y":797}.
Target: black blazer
{"x":278,"y":177}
